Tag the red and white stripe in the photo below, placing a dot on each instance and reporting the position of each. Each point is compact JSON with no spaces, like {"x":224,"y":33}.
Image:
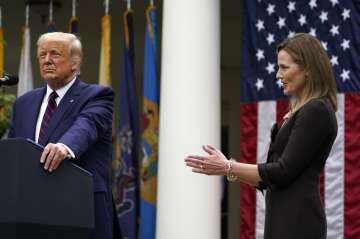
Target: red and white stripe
{"x":341,"y":175}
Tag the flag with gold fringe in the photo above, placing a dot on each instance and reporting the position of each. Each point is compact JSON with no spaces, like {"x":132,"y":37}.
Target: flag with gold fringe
{"x":25,"y":69}
{"x":104,"y":69}
{"x":125,"y":167}
{"x":150,"y":130}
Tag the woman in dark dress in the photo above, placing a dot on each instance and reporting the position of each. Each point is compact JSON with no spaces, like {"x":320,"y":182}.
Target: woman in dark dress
{"x":298,"y":149}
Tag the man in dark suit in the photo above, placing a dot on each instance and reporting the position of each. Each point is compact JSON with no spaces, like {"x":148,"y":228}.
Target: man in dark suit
{"x":71,"y":119}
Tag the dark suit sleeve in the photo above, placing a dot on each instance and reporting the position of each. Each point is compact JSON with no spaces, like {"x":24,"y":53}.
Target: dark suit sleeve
{"x":310,"y":131}
{"x":94,"y":120}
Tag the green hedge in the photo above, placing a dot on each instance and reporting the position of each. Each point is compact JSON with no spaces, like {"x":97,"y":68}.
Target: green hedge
{"x":6,"y":101}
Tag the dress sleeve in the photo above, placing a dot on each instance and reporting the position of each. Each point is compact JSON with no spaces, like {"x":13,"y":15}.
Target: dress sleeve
{"x":311,"y":129}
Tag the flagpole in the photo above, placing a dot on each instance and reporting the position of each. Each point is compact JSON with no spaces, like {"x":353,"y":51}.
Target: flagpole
{"x":73,"y":23}
{"x":51,"y":11}
{"x":73,"y":8}
{"x":106,"y":7}
{"x":27,"y":10}
{"x":0,"y":17}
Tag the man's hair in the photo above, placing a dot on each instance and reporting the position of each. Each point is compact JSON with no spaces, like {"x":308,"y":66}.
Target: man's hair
{"x":74,"y":44}
{"x":308,"y":52}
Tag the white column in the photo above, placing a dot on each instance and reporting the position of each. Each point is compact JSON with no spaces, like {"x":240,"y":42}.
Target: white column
{"x":188,"y":204}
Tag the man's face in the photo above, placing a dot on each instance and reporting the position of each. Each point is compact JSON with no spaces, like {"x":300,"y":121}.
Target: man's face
{"x":56,"y":66}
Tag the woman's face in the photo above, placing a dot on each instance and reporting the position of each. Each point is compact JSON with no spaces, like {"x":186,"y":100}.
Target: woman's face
{"x":290,"y":74}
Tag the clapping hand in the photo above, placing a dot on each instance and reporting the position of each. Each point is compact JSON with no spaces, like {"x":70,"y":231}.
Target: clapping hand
{"x":215,"y":163}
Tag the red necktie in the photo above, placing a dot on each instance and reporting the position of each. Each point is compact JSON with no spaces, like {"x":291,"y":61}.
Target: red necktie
{"x":50,"y":109}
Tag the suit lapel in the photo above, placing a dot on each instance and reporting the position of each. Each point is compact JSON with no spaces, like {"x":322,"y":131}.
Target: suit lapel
{"x":32,"y":115}
{"x":64,"y":108}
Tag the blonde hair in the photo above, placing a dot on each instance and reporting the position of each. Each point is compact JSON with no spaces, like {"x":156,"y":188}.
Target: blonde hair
{"x":72,"y":41}
{"x":308,"y":52}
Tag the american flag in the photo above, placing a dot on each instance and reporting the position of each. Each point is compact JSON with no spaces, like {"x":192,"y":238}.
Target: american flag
{"x":337,"y":25}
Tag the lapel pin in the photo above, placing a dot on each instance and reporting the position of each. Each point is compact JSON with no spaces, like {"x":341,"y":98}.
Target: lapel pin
{"x":71,"y":101}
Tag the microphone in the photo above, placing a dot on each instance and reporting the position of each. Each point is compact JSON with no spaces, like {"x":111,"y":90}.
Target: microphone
{"x":9,"y":80}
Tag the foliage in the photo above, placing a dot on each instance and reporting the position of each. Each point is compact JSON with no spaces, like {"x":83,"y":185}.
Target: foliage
{"x":6,"y":100}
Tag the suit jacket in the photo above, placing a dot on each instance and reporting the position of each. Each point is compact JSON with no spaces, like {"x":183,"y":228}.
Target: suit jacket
{"x":83,"y":122}
{"x":297,"y":154}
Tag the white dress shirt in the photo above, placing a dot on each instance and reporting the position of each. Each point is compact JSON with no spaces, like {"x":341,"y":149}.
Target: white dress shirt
{"x":61,"y":93}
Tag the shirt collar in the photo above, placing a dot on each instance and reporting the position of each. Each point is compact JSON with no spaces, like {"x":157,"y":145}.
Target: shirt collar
{"x":62,"y":91}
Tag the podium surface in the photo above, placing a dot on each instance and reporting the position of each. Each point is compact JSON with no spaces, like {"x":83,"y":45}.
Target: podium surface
{"x":37,"y":204}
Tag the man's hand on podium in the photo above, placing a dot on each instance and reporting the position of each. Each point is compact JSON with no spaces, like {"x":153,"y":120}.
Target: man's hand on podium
{"x":53,"y":155}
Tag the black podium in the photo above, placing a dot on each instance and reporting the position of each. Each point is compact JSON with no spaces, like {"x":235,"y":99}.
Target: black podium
{"x":37,"y":204}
